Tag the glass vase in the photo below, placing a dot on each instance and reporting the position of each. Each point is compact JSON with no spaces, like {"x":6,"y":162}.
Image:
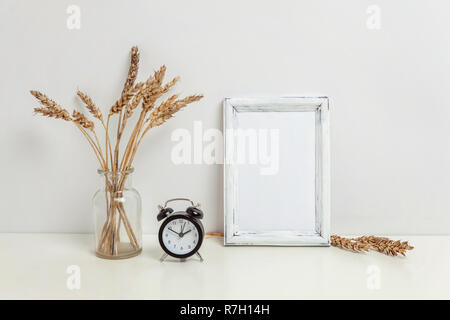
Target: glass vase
{"x":117,"y":216}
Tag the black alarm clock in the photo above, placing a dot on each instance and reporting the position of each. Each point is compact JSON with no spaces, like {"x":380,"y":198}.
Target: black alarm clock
{"x":181,"y":233}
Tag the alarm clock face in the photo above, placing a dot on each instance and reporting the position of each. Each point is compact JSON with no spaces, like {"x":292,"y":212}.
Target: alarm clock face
{"x":180,"y":235}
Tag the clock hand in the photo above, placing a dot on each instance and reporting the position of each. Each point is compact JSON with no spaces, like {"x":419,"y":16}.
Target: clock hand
{"x":174,"y":232}
{"x":182,"y":228}
{"x":186,"y":232}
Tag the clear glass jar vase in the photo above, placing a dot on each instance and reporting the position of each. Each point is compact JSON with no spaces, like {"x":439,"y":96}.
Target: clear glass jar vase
{"x":117,"y":216}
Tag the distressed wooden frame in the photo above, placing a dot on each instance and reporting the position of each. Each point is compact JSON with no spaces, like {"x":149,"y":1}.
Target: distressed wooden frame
{"x":318,"y":105}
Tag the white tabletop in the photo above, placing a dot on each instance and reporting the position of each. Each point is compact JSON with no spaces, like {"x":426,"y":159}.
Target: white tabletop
{"x":35,"y":266}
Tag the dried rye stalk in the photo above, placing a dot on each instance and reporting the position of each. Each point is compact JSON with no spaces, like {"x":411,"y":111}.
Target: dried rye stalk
{"x":165,"y":111}
{"x":81,"y":119}
{"x":128,"y":89}
{"x":96,"y":113}
{"x":366,"y":243}
{"x":349,"y":244}
{"x":51,"y":108}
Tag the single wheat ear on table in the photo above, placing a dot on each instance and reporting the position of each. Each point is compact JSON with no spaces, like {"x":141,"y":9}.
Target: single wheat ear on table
{"x":366,"y":243}
{"x":117,"y":154}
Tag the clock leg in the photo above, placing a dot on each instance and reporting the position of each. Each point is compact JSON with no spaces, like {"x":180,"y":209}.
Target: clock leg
{"x":198,"y":254}
{"x":163,"y":257}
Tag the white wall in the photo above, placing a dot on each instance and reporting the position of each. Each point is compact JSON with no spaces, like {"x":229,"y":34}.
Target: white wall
{"x":388,"y":93}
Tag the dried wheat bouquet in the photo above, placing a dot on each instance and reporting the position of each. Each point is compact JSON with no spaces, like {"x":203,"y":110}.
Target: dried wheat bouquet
{"x":141,"y":98}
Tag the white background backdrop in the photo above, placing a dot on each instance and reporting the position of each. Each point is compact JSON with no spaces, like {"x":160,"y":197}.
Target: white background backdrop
{"x":388,"y":92}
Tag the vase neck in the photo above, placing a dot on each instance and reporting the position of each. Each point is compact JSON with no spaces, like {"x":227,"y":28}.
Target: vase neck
{"x":117,"y":180}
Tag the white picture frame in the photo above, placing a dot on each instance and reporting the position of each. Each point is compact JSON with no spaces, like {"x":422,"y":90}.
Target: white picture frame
{"x":239,"y":216}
